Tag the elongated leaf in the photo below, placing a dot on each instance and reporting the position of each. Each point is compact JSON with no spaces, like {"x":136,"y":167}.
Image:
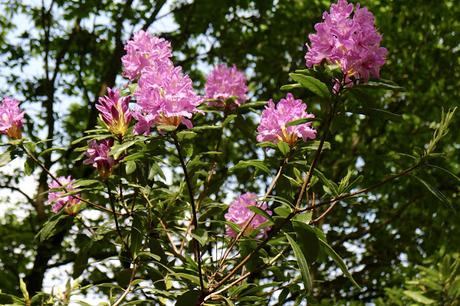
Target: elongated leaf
{"x":298,"y":122}
{"x":189,"y":298}
{"x":338,"y":260}
{"x":136,"y":234}
{"x":258,"y":164}
{"x":130,"y":167}
{"x":259,"y":211}
{"x":328,"y":183}
{"x":118,"y":149}
{"x":290,"y":86}
{"x":418,"y":297}
{"x":433,"y":190}
{"x":307,"y":239}
{"x":53,"y":226}
{"x":284,"y":148}
{"x":5,"y":158}
{"x":381,"y":113}
{"x":302,"y":262}
{"x":382,"y":84}
{"x":446,"y":171}
{"x":314,"y":85}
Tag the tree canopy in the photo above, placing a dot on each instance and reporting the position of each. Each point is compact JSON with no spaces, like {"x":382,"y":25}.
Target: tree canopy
{"x":58,"y":57}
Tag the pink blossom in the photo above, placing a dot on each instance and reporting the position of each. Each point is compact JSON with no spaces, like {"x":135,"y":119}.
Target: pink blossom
{"x":145,"y":50}
{"x":57,"y":198}
{"x":144,"y":124}
{"x":115,"y":111}
{"x":351,"y":41}
{"x":99,"y":156}
{"x":165,"y":97}
{"x":239,"y":213}
{"x":224,"y":83}
{"x":274,"y":119}
{"x":11,"y":118}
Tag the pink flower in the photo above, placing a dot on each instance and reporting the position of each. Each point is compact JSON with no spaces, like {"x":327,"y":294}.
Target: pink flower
{"x":165,"y":97}
{"x":239,"y":213}
{"x":145,"y":50}
{"x":57,"y":198}
{"x":224,"y":83}
{"x":352,"y":42}
{"x":11,"y":118}
{"x":273,"y":123}
{"x":99,"y":158}
{"x":115,"y":112}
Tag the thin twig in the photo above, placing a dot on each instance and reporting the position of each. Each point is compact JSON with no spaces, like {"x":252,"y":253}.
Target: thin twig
{"x":280,"y":225}
{"x":194,"y":212}
{"x":112,"y":205}
{"x":128,"y":289}
{"x":54,"y":178}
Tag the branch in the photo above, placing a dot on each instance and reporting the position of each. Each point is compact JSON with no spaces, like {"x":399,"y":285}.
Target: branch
{"x":194,"y":213}
{"x":29,"y":199}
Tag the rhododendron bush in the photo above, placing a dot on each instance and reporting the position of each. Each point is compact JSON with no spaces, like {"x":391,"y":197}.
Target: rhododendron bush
{"x":184,"y":220}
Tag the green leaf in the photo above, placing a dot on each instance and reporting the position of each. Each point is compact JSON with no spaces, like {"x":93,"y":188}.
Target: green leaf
{"x":183,"y":135}
{"x":256,"y":104}
{"x":81,"y":260}
{"x":313,"y":146}
{"x":205,"y":127}
{"x":201,"y":235}
{"x":298,"y":121}
{"x":154,"y":170}
{"x":283,"y":211}
{"x":24,"y":291}
{"x":284,"y":148}
{"x":333,"y":188}
{"x":446,"y":171}
{"x":259,"y":211}
{"x":288,"y":87}
{"x":314,"y":85}
{"x":433,"y":190}
{"x":418,"y":297}
{"x":338,"y":260}
{"x":118,"y":149}
{"x":130,"y":167}
{"x":53,"y":226}
{"x":149,"y":255}
{"x":166,"y":128}
{"x":381,"y":84}
{"x":381,"y":113}
{"x":29,"y":166}
{"x":302,"y":262}
{"x":137,"y":234}
{"x":5,"y":158}
{"x":244,"y":164}
{"x":189,"y":298}
{"x":307,"y":239}
{"x":85,"y":183}
{"x":228,"y":119}
{"x":247,"y":246}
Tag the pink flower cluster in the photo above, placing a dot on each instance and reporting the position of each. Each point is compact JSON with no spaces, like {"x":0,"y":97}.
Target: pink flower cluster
{"x":57,"y":198}
{"x":11,"y":118}
{"x":145,"y":50}
{"x":350,"y":41}
{"x":224,"y":83}
{"x":115,"y":111}
{"x":273,"y":124}
{"x":165,"y":96}
{"x":98,"y":155}
{"x":239,"y":214}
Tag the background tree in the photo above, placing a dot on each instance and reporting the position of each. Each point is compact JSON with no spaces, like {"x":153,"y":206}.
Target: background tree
{"x":60,"y":56}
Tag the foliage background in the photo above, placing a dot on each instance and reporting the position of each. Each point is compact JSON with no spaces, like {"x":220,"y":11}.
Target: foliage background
{"x":59,"y":56}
